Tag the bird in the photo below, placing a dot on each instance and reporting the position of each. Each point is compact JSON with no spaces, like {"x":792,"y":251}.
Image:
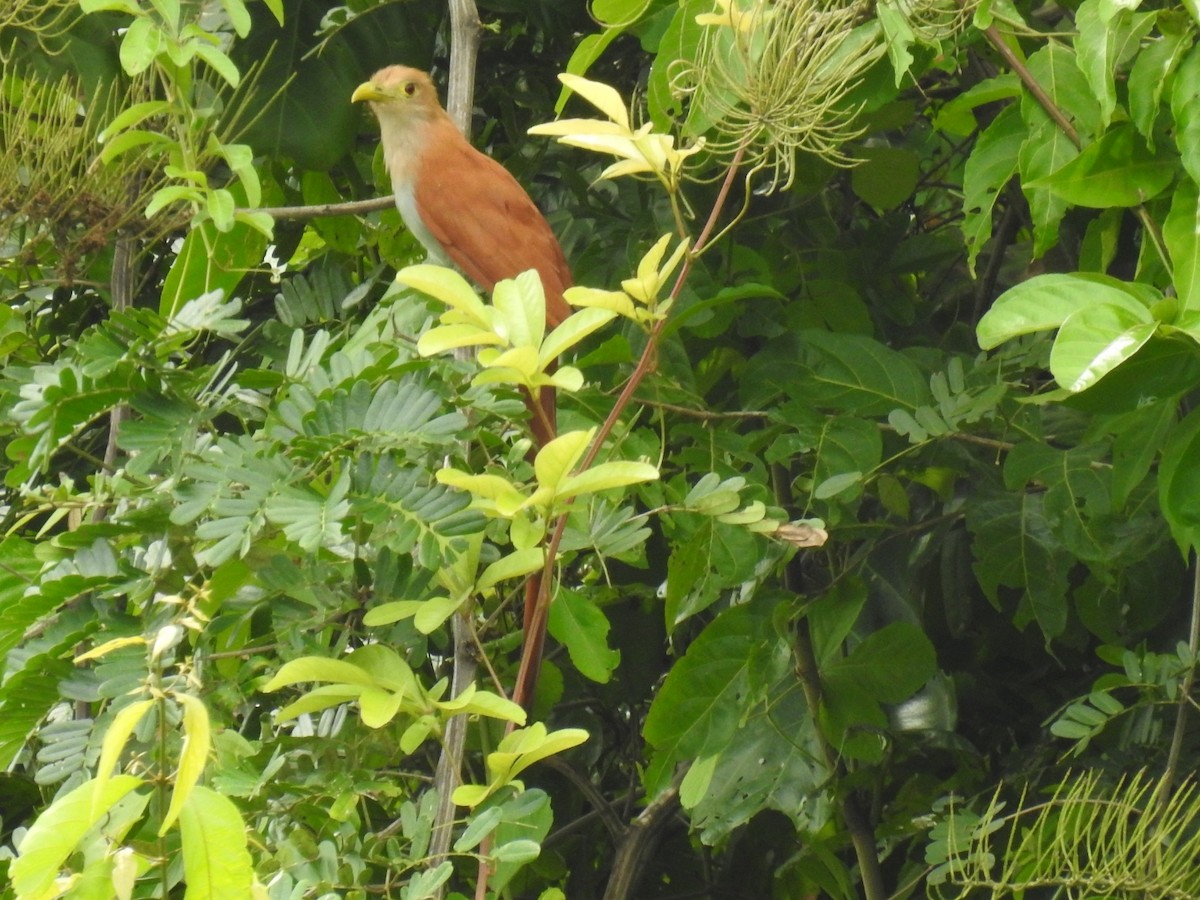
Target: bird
{"x":467,"y":209}
{"x":462,"y":205}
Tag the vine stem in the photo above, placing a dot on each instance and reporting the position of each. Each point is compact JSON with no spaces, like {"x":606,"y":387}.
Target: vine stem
{"x":1171,"y":770}
{"x":535,"y":636}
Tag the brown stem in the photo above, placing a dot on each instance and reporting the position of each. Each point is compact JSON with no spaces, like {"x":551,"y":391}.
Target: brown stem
{"x":535,"y":632}
{"x":639,"y":842}
{"x":1039,"y":94}
{"x":1060,"y":119}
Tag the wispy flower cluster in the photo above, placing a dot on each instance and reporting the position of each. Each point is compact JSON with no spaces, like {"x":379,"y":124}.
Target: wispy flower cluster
{"x":773,"y":77}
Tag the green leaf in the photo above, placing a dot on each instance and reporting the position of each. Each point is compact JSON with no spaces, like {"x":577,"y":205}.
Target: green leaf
{"x":1047,"y":147}
{"x":857,"y":374}
{"x":1150,"y":75}
{"x":988,"y":169}
{"x":432,"y":613}
{"x":140,"y":45}
{"x":578,"y":624}
{"x":428,"y":883}
{"x":891,"y":664}
{"x":555,"y":461}
{"x":575,"y":328}
{"x":740,"y":785}
{"x":832,"y":616}
{"x":57,"y":832}
{"x":1185,"y":108}
{"x":216,"y":859}
{"x":701,"y":703}
{"x":1095,"y":340}
{"x":521,"y":303}
{"x":1044,"y":302}
{"x":1181,"y":234}
{"x":1117,"y":170}
{"x":1014,"y":546}
{"x":318,"y":668}
{"x":604,"y":477}
{"x":211,"y":260}
{"x":1077,"y":498}
{"x":1179,"y":483}
{"x":450,"y":288}
{"x":218,"y":62}
{"x":704,"y":561}
{"x":956,"y":116}
{"x":886,"y":177}
{"x":1103,"y":43}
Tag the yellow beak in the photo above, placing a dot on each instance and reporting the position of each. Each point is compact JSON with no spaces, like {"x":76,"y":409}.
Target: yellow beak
{"x":367,"y":91}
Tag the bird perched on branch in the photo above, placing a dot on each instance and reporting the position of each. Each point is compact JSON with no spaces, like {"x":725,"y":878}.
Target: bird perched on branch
{"x":462,"y":205}
{"x":465,"y":208}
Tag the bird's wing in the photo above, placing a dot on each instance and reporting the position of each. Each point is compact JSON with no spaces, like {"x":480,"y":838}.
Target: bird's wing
{"x":487,"y":224}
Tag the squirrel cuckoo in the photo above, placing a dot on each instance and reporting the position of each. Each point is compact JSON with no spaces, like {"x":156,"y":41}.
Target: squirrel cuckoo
{"x":466,"y":208}
{"x":463,"y":206}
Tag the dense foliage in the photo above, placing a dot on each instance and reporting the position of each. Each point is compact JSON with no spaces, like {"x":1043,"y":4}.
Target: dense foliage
{"x":869,"y":526}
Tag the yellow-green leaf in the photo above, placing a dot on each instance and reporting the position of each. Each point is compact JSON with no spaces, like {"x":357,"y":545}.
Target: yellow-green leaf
{"x":433,"y":612}
{"x":521,"y":302}
{"x":57,"y":832}
{"x":216,"y":861}
{"x":318,"y":668}
{"x":387,"y":613}
{"x":378,"y":706}
{"x":115,"y":738}
{"x":605,"y":98}
{"x":451,"y":337}
{"x":515,"y":565}
{"x":448,"y":286}
{"x":470,"y":795}
{"x":555,"y":461}
{"x":194,"y":756}
{"x":574,"y":329}
{"x":606,"y":476}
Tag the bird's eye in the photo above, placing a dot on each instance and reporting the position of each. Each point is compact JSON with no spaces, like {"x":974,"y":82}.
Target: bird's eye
{"x":409,"y":89}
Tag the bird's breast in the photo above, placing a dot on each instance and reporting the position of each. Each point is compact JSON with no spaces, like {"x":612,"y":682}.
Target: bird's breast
{"x":406,"y":202}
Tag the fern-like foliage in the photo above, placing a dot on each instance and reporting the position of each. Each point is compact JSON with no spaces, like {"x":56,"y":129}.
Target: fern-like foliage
{"x":1093,"y":838}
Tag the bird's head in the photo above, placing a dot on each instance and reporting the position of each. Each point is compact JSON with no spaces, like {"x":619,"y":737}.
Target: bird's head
{"x":399,"y":93}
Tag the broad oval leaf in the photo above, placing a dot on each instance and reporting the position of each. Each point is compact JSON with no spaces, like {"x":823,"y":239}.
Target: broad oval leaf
{"x":1094,"y":341}
{"x":448,"y":286}
{"x":1044,"y":302}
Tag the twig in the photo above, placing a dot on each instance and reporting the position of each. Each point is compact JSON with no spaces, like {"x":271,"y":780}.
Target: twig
{"x":1060,"y":119}
{"x":1185,"y":692}
{"x":348,"y":208}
